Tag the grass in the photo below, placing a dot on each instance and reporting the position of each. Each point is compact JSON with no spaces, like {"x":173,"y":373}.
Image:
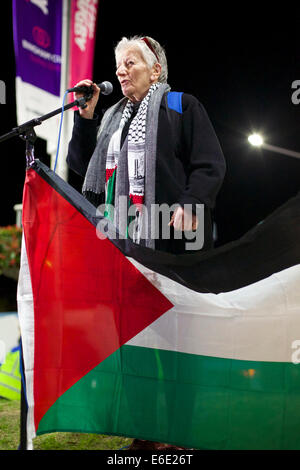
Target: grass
{"x":10,"y":435}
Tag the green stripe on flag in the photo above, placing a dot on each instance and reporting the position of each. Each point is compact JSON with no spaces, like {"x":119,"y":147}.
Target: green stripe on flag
{"x":185,"y":399}
{"x":110,"y":197}
{"x":110,"y":201}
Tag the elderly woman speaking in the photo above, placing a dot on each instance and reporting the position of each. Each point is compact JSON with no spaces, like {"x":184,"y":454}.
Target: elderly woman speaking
{"x":150,"y":149}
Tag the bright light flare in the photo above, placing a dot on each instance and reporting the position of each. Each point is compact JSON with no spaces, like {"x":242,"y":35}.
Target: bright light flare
{"x":256,"y":140}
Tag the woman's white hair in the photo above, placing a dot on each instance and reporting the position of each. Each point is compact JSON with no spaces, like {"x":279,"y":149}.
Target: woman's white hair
{"x":149,"y":56}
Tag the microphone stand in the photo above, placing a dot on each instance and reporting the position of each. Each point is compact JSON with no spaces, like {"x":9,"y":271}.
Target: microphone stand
{"x":27,"y":133}
{"x":26,"y":130}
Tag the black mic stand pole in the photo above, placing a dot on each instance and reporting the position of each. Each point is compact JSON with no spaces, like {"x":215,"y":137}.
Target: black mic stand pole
{"x":27,"y":133}
{"x":26,"y":130}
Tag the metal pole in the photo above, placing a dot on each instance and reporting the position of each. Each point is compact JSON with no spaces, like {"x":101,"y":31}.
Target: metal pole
{"x":66,"y":134}
{"x":27,"y":126}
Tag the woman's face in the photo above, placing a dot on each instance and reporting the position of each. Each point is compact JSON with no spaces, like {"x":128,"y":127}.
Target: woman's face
{"x":134,"y":74}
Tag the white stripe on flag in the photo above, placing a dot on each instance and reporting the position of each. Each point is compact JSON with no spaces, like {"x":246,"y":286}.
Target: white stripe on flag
{"x":258,"y":322}
{"x":26,"y":318}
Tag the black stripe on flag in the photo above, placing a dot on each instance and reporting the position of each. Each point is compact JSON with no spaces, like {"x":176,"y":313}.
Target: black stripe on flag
{"x":269,"y":247}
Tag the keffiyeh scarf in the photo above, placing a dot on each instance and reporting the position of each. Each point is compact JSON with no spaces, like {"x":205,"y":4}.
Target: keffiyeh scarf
{"x":128,"y":171}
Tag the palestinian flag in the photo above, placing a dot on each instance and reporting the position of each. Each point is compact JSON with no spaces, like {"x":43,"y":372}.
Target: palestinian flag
{"x":195,"y":350}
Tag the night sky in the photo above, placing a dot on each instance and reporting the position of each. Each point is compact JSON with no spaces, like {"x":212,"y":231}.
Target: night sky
{"x":241,"y":74}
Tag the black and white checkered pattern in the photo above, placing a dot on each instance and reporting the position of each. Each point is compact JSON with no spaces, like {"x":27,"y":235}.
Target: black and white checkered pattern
{"x":135,"y":150}
{"x":137,"y":129}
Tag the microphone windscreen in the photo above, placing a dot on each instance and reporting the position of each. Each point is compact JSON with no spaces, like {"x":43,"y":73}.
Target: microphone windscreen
{"x":106,"y":88}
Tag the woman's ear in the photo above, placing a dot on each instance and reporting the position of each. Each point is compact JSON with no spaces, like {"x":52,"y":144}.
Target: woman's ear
{"x":156,"y":71}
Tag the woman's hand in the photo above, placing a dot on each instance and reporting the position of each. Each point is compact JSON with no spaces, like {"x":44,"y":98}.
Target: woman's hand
{"x":183,"y":220}
{"x":88,"y":112}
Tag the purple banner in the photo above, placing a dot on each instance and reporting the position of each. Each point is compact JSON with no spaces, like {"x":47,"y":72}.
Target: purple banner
{"x":38,"y":42}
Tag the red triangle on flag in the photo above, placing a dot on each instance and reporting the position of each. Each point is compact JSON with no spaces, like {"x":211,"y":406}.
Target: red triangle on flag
{"x":88,"y":298}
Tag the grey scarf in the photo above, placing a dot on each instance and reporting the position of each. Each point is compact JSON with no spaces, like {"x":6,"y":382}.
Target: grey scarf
{"x":95,"y":176}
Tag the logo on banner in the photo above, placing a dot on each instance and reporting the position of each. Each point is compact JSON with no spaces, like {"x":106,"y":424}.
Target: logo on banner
{"x":42,"y":4}
{"x":85,"y":22}
{"x":41,"y":37}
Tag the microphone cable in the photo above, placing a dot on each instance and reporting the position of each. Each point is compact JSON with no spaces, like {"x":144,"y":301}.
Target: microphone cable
{"x":105,"y":87}
{"x":60,"y":127}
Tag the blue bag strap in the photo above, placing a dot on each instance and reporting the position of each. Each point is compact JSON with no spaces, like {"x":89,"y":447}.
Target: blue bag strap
{"x":174,"y":102}
{"x":174,"y":99}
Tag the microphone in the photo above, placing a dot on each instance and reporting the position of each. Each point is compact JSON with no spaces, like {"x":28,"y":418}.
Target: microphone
{"x":106,"y":88}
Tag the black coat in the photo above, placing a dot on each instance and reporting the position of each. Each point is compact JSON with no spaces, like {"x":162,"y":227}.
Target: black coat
{"x":190,"y":171}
